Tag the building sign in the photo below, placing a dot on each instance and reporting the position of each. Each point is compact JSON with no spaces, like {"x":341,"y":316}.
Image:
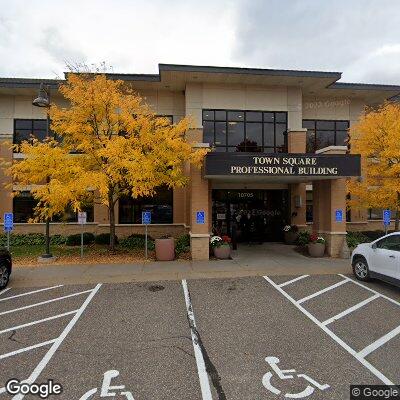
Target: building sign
{"x":82,"y":217}
{"x":146,"y":217}
{"x":8,"y":222}
{"x":386,"y":217}
{"x":263,"y":164}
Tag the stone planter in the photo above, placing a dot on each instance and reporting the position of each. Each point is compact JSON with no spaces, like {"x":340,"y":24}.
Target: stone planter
{"x":290,"y":237}
{"x":165,"y":249}
{"x":316,"y":249}
{"x":223,"y":251}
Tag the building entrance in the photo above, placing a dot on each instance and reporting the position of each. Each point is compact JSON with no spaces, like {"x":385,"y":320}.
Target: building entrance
{"x":250,"y":215}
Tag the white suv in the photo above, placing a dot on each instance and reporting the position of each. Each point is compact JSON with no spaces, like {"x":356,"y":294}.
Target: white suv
{"x":379,"y":259}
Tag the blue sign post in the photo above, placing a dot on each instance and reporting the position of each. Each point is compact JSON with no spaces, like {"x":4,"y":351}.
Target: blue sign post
{"x":8,"y":226}
{"x":146,"y":220}
{"x":339,"y":215}
{"x":200,"y":217}
{"x":387,"y":214}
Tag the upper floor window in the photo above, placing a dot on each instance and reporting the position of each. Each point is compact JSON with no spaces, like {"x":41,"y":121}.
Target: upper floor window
{"x":249,"y":131}
{"x":24,"y":129}
{"x":323,"y":133}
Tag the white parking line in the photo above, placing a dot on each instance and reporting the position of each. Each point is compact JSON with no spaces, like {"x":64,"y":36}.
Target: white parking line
{"x":311,"y":296}
{"x":293,"y":280}
{"x":27,"y":293}
{"x":4,"y":291}
{"x":336,"y":338}
{"x":350,"y":310}
{"x":23,"y":350}
{"x":201,"y":367}
{"x":380,"y":342}
{"x":14,"y":328}
{"x":44,"y":302}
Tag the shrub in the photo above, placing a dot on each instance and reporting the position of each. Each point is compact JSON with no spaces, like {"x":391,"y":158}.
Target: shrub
{"x":182,"y":244}
{"x":304,"y":238}
{"x":58,"y":239}
{"x":20,"y":239}
{"x":355,"y":238}
{"x":373,"y":235}
{"x":104,"y":238}
{"x":137,"y":241}
{"x":75,"y":240}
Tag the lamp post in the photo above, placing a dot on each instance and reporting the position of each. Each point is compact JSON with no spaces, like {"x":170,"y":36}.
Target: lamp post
{"x":43,"y":100}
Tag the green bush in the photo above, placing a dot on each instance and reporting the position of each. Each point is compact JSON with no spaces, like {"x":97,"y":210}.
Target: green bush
{"x":75,"y":240}
{"x":303,"y":238}
{"x":373,"y":235}
{"x":182,"y":244}
{"x":58,"y":239}
{"x":20,"y":239}
{"x":355,"y":238}
{"x":104,"y":238}
{"x":137,"y":241}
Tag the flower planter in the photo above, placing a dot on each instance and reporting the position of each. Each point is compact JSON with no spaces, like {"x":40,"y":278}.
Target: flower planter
{"x":316,"y":249}
{"x":223,"y":251}
{"x":290,"y":237}
{"x":165,"y":249}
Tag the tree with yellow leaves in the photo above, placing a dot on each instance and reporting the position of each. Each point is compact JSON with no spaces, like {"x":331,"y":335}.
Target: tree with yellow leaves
{"x":110,"y":144}
{"x":376,"y":136}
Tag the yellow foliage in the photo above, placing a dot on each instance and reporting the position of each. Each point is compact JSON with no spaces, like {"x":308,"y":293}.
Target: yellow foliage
{"x":376,"y":137}
{"x":110,"y":144}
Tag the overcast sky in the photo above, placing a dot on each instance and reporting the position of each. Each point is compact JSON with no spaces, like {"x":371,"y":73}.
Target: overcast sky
{"x":360,"y":38}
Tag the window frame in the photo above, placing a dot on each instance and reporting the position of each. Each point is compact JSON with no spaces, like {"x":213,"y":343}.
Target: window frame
{"x":335,"y":130}
{"x":263,"y":122}
{"x":31,"y":130}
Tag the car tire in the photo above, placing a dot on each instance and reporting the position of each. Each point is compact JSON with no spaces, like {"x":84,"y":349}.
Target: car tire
{"x":361,"y":269}
{"x":4,"y":275}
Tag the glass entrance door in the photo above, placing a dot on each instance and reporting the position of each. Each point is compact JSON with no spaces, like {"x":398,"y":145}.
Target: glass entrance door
{"x":250,"y":215}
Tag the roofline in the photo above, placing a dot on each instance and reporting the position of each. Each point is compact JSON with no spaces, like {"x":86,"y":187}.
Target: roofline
{"x":247,"y":71}
{"x":29,"y":82}
{"x":363,"y":86}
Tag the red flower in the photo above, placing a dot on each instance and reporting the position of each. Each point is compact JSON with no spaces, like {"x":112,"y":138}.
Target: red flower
{"x":313,"y":237}
{"x":226,"y":239}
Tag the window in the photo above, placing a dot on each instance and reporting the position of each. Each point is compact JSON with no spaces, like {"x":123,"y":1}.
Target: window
{"x":389,"y":243}
{"x":160,"y":205}
{"x":23,"y":207}
{"x":24,"y":204}
{"x":247,"y":131}
{"x":377,"y":213}
{"x":24,"y":129}
{"x":309,"y":206}
{"x":323,"y":133}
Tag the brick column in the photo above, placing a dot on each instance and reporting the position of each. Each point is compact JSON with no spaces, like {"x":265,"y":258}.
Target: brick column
{"x":329,"y":195}
{"x":6,"y":203}
{"x":297,"y":144}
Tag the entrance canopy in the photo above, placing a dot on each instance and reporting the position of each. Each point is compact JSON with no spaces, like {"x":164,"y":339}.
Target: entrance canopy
{"x":280,"y":167}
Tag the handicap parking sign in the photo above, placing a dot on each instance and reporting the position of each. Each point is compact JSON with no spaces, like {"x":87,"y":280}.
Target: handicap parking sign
{"x":386,"y":217}
{"x":146,"y":217}
{"x":339,"y":215}
{"x":200,"y":217}
{"x":8,"y":222}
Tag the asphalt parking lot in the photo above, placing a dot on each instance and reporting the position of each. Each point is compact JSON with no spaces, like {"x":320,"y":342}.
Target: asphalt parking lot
{"x":246,"y":338}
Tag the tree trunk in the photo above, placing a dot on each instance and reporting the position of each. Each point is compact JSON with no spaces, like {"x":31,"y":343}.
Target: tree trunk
{"x":111,"y":208}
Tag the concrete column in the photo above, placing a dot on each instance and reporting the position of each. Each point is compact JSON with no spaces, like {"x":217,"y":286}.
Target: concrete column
{"x":297,"y":140}
{"x":6,"y":203}
{"x":179,"y":206}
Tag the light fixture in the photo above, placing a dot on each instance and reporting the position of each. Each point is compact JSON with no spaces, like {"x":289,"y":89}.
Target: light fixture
{"x":43,"y":98}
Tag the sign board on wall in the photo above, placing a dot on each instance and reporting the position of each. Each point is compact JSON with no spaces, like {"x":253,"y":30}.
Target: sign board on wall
{"x":339,"y":215}
{"x":200,"y":217}
{"x":265,"y":164}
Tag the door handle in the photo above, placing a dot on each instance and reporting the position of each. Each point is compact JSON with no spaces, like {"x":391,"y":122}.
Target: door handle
{"x":392,"y":257}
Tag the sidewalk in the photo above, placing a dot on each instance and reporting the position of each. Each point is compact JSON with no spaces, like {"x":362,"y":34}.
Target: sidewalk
{"x":268,"y":259}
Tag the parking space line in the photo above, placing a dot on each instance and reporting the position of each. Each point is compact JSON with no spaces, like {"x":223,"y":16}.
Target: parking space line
{"x":4,"y":291}
{"x":311,"y":296}
{"x":337,"y":339}
{"x":293,"y":280}
{"x":23,"y":350}
{"x":14,"y":328}
{"x":350,"y":310}
{"x":57,"y":343}
{"x":28,"y":293}
{"x":44,"y":302}
{"x":201,"y":367}
{"x":379,"y":342}
{"x":372,"y":290}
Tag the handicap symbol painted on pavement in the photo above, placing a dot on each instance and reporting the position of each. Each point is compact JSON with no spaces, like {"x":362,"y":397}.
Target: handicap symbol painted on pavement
{"x":288,"y":374}
{"x":108,"y":391}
